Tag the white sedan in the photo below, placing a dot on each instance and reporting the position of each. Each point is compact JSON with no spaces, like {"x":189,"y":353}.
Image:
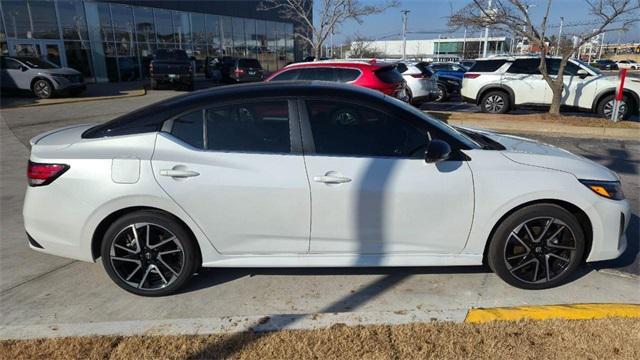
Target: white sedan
{"x":313,"y":174}
{"x":628,"y":64}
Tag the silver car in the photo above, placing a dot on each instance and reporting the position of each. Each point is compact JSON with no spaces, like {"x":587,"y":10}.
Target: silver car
{"x":43,"y":78}
{"x":422,"y":85}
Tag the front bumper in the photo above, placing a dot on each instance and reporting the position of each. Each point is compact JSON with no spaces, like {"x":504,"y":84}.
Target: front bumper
{"x":609,"y":227}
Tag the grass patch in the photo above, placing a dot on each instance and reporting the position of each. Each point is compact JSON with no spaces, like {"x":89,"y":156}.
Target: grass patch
{"x":552,"y":339}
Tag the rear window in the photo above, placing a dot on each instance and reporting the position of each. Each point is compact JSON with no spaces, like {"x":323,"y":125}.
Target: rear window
{"x":164,"y":54}
{"x":287,"y":75}
{"x":249,"y":63}
{"x":389,"y":75}
{"x":487,"y":65}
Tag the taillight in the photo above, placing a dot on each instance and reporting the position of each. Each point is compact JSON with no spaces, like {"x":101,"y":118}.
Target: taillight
{"x":43,"y":174}
{"x":239,"y":72}
{"x":471,"y":76}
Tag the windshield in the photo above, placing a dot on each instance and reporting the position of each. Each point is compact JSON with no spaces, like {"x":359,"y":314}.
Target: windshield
{"x":595,"y":70}
{"x":37,"y":63}
{"x":440,"y":125}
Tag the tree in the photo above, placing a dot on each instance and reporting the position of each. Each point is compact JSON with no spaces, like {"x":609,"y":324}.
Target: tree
{"x":332,"y":13}
{"x":362,"y":48}
{"x":512,"y":16}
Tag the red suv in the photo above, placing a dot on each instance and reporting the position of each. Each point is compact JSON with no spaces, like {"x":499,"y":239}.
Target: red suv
{"x":370,"y":74}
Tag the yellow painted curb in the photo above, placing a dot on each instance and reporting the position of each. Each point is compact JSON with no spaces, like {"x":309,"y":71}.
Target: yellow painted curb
{"x":544,"y":312}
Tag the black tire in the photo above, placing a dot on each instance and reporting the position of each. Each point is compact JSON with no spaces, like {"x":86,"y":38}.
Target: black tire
{"x":605,"y":106}
{"x":495,"y":102}
{"x":165,"y":272}
{"x":442,"y":94}
{"x":513,"y":255}
{"x":42,"y":88}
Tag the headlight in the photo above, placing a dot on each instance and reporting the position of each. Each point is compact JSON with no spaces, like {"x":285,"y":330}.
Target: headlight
{"x":609,"y":189}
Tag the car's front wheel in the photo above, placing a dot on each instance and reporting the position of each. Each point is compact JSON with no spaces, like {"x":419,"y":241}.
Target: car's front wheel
{"x":537,"y":247}
{"x":607,"y":104}
{"x":149,"y":253}
{"x":42,"y":88}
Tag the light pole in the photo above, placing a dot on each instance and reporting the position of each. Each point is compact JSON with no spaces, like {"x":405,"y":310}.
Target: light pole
{"x":486,"y":33}
{"x":524,"y":27}
{"x":464,"y":43}
{"x":405,"y":17}
{"x":560,"y":35}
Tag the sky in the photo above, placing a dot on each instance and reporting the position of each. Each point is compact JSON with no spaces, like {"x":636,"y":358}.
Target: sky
{"x":430,"y":18}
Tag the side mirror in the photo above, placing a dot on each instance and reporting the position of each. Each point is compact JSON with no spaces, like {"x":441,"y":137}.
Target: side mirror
{"x":24,"y":68}
{"x":437,"y":150}
{"x":582,"y":73}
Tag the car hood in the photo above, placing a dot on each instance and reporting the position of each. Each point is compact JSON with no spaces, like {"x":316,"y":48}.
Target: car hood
{"x":535,"y":153}
{"x":59,"y":71}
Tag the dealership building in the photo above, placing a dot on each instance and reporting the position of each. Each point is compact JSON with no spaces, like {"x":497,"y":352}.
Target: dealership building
{"x":113,"y":40}
{"x":442,"y":49}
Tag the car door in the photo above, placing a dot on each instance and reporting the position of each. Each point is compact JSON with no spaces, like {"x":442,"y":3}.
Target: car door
{"x":238,"y":171}
{"x":577,"y":91}
{"x":371,"y":190}
{"x":528,"y":85}
{"x":15,"y":75}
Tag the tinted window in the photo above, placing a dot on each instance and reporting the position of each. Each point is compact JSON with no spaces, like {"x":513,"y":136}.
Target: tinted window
{"x":389,"y":75}
{"x":401,"y":67}
{"x":346,"y":75}
{"x":189,"y":129}
{"x":352,"y":130}
{"x":323,"y":74}
{"x":553,"y":65}
{"x":525,"y":66}
{"x":10,"y":64}
{"x":487,"y":65}
{"x":261,"y":127}
{"x":38,"y":63}
{"x":249,"y":63}
{"x":287,"y":75}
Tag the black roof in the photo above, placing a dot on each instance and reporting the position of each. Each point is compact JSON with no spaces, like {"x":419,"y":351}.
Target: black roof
{"x":150,"y":118}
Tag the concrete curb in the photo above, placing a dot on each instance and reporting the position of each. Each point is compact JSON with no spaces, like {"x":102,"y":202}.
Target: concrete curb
{"x":235,"y":324}
{"x":132,"y":93}
{"x":550,"y":128}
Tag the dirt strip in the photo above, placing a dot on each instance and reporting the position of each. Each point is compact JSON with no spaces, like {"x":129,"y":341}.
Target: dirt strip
{"x":614,"y":338}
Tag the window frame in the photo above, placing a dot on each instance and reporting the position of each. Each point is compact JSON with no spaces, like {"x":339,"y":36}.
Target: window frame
{"x":308,"y":141}
{"x":295,"y":136}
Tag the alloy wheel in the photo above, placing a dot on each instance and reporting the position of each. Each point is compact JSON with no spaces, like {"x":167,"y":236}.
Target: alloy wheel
{"x":539,"y":250}
{"x":439,"y":94}
{"x":608,"y":109}
{"x":42,"y":89}
{"x":494,"y":104}
{"x":147,"y":256}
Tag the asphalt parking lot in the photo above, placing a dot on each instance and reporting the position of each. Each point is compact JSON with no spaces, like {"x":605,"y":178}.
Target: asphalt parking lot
{"x":42,"y":289}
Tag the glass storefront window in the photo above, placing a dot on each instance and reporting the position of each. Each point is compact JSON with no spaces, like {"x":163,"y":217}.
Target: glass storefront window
{"x":79,"y":57}
{"x":106,"y":30}
{"x":111,"y":60}
{"x":213,"y":35}
{"x":271,"y":55}
{"x":44,"y":19}
{"x":72,"y":20}
{"x":251,"y":38}
{"x":145,"y":29}
{"x":164,"y":26}
{"x":145,"y":54}
{"x":261,"y":40}
{"x":225,"y":35}
{"x":16,"y":15}
{"x":281,"y":44}
{"x":239,"y":43}
{"x":122,"y":21}
{"x":290,"y":42}
{"x":182,"y":29}
{"x":198,"y":30}
{"x":127,"y":62}
{"x":3,"y":36}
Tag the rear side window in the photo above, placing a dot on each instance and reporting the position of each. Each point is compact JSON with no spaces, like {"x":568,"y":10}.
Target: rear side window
{"x":401,"y":67}
{"x":525,"y":66}
{"x":287,"y":75}
{"x":254,"y":127}
{"x":10,"y":64}
{"x":189,"y":128}
{"x":487,"y":65}
{"x":389,"y":75}
{"x":346,"y":75}
{"x":249,"y":63}
{"x":322,"y":74}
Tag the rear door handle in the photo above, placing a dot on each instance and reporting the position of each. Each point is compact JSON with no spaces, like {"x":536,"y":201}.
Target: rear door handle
{"x":331,"y":179}
{"x":178,"y":173}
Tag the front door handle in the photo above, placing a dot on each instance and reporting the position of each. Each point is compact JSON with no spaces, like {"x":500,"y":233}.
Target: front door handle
{"x":329,"y":178}
{"x":178,"y":173}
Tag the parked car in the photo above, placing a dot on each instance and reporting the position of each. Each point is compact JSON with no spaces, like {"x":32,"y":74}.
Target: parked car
{"x":447,"y":84}
{"x":237,"y":70}
{"x":628,"y":64}
{"x":171,"y":66}
{"x":605,"y":64}
{"x":371,"y":74}
{"x":422,"y":85}
{"x":448,"y":69}
{"x":467,"y":64}
{"x":499,"y":84}
{"x":41,"y":77}
{"x":206,"y":184}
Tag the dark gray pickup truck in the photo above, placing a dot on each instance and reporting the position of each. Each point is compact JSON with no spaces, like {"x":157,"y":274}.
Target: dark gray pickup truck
{"x":171,"y":66}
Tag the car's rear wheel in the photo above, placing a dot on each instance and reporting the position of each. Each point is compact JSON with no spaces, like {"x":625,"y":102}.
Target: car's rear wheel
{"x":537,"y":247}
{"x":42,"y":88}
{"x":495,"y":102}
{"x":149,"y":253}
{"x":441,"y":93}
{"x":606,"y":107}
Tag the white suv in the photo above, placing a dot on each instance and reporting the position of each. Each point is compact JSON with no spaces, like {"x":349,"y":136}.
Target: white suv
{"x":499,"y":84}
